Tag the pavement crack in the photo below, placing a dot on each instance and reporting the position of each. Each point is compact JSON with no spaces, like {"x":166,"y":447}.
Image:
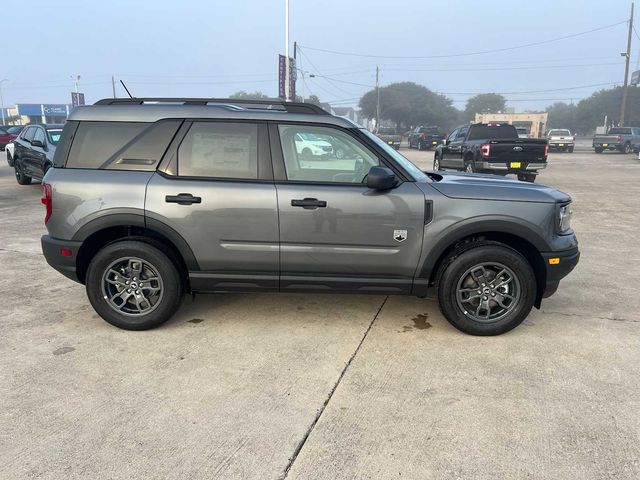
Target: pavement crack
{"x":302,"y":442}
{"x":583,"y":315}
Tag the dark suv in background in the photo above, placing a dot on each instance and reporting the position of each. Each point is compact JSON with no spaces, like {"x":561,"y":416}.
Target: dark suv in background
{"x":34,"y":150}
{"x":152,"y":198}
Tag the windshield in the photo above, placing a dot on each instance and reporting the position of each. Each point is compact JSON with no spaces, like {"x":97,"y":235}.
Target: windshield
{"x":559,"y":132}
{"x":415,"y":172}
{"x":54,"y":135}
{"x":15,"y":130}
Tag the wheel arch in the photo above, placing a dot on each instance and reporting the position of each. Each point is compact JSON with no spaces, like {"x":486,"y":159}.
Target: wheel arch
{"x":520,"y":238}
{"x":105,"y":230}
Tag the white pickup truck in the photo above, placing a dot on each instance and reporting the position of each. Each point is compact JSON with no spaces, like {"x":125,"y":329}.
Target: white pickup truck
{"x":561,"y":139}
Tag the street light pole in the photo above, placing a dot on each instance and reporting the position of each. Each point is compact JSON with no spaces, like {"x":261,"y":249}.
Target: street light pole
{"x":2,"y":99}
{"x":287,"y":67}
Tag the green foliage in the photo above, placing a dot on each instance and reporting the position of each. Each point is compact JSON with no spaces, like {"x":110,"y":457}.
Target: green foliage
{"x":242,"y":95}
{"x":310,"y":99}
{"x":484,"y":103}
{"x":409,"y":104}
{"x":562,"y":115}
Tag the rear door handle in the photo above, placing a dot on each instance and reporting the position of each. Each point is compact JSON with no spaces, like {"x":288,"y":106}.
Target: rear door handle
{"x":309,"y":203}
{"x":182,"y":199}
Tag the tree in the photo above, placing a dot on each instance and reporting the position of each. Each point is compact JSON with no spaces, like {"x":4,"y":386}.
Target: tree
{"x":242,"y":95}
{"x":562,"y":115}
{"x":407,"y":104}
{"x":310,"y":99}
{"x":485,"y":103}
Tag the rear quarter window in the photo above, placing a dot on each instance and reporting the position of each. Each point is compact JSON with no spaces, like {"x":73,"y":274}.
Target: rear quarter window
{"x":120,"y":145}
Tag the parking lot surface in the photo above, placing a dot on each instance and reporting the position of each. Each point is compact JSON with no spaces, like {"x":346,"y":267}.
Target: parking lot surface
{"x":325,"y":386}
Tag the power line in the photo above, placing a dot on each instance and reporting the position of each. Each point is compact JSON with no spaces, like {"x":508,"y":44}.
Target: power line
{"x":467,"y":54}
{"x":531,"y":67}
{"x":535,"y":91}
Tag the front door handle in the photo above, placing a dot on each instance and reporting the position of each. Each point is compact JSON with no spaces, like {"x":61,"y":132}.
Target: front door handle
{"x":309,"y":203}
{"x":182,"y":199}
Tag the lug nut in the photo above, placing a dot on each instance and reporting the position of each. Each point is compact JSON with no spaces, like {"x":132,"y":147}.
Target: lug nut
{"x":479,"y":292}
{"x":493,"y":294}
{"x":485,"y":298}
{"x":127,"y":282}
{"x":128,"y":290}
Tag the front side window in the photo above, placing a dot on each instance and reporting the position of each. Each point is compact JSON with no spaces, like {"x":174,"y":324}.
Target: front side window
{"x":28,"y":136}
{"x":324,"y":154}
{"x":452,"y":136}
{"x":39,"y":135}
{"x":219,"y":150}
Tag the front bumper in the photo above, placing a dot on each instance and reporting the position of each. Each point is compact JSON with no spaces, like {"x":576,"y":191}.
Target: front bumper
{"x":65,"y":264}
{"x":558,"y":266}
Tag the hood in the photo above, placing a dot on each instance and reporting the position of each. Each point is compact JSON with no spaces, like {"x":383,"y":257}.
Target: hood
{"x":473,"y":186}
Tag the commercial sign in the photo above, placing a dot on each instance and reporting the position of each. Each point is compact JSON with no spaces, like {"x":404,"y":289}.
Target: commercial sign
{"x":282,"y":69}
{"x":635,"y":77}
{"x":38,"y":109}
{"x":77,"y":99}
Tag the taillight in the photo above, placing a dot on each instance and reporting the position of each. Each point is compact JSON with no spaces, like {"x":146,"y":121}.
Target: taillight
{"x":546,"y":149}
{"x":618,"y":138}
{"x":47,"y":201}
{"x":485,"y":149}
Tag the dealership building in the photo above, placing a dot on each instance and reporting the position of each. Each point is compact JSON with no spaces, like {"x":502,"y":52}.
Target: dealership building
{"x":25,"y":113}
{"x":535,"y":123}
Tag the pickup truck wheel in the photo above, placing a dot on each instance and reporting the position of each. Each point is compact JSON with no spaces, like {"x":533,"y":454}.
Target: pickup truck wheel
{"x":21,"y":177}
{"x":306,"y":154}
{"x":598,"y":150}
{"x":436,"y":164}
{"x":627,"y":148}
{"x":420,"y":145}
{"x":570,"y":150}
{"x":487,"y":290}
{"x":133,"y":285}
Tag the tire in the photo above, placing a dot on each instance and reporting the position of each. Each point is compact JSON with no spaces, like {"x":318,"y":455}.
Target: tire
{"x":469,"y":167}
{"x":436,"y":164}
{"x":527,"y":177}
{"x":306,"y":154}
{"x":420,"y":146}
{"x":21,"y":177}
{"x":627,"y":148}
{"x":457,"y":290}
{"x":149,"y":262}
{"x":598,"y":150}
{"x":570,"y":150}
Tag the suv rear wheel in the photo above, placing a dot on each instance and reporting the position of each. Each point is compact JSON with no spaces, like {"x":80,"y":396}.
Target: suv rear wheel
{"x":487,"y":290}
{"x":133,"y":285}
{"x":21,"y":177}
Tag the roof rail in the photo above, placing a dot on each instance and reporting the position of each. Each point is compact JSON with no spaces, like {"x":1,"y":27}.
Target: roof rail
{"x":290,"y":107}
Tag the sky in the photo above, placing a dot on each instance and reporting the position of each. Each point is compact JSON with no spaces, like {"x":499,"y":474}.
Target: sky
{"x":198,"y":48}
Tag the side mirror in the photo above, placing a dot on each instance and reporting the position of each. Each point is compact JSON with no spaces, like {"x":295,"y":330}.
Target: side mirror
{"x":37,"y":143}
{"x":381,"y":178}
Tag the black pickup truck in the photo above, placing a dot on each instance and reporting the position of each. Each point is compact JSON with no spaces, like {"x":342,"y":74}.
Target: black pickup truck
{"x":492,"y":148}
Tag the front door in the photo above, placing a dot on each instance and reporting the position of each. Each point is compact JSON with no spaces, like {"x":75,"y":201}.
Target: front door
{"x":335,"y":233}
{"x":453,"y":154}
{"x":220,"y":198}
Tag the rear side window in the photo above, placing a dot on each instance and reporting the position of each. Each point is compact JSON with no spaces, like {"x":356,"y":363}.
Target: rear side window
{"x":219,"y":150}
{"x":620,"y":131}
{"x":120,"y":145}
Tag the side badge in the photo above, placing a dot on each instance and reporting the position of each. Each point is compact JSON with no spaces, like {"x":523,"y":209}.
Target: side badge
{"x":399,"y":235}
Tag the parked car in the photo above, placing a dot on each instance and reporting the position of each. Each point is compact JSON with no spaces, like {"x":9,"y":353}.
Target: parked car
{"x":146,"y":202}
{"x":310,"y":146}
{"x":561,"y":139}
{"x":621,"y":139}
{"x":14,"y":131}
{"x":390,"y":137}
{"x":492,"y":148}
{"x":5,"y":137}
{"x":522,"y":132}
{"x":425,"y":138}
{"x":34,"y":151}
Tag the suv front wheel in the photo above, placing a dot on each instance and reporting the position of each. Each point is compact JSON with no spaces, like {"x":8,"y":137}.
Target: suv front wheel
{"x":487,"y":290}
{"x":133,"y":285}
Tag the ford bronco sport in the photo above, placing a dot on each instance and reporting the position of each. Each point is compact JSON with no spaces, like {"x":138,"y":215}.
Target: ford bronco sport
{"x":152,"y":198}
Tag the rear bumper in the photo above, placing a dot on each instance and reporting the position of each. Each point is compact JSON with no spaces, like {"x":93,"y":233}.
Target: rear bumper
{"x":52,"y":250}
{"x":608,"y":146}
{"x":504,"y":167}
{"x":558,"y":266}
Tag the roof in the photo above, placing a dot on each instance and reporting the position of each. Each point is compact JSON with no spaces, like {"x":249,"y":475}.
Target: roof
{"x":151,"y":110}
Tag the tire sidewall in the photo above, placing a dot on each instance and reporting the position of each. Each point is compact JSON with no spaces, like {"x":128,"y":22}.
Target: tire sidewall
{"x":172,"y":284}
{"x":448,"y":282}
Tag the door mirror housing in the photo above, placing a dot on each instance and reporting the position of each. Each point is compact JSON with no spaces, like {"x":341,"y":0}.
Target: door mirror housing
{"x":37,"y":143}
{"x":381,"y":178}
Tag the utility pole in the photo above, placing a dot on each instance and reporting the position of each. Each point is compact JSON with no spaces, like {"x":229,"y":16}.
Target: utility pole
{"x":378,"y":98}
{"x":2,"y":99}
{"x":298,"y":69}
{"x":625,"y":87}
{"x":113,"y":86}
{"x":287,"y":67}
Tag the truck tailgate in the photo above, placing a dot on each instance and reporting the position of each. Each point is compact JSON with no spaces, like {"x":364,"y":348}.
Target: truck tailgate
{"x":524,"y":150}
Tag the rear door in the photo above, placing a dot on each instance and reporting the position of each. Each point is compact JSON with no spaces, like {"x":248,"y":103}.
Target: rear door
{"x":335,"y":233}
{"x":217,"y":193}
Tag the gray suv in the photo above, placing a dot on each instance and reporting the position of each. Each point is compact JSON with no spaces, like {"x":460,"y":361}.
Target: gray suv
{"x":152,"y":198}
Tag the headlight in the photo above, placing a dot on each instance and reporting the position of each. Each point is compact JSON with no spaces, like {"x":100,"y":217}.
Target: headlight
{"x":564,"y":218}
